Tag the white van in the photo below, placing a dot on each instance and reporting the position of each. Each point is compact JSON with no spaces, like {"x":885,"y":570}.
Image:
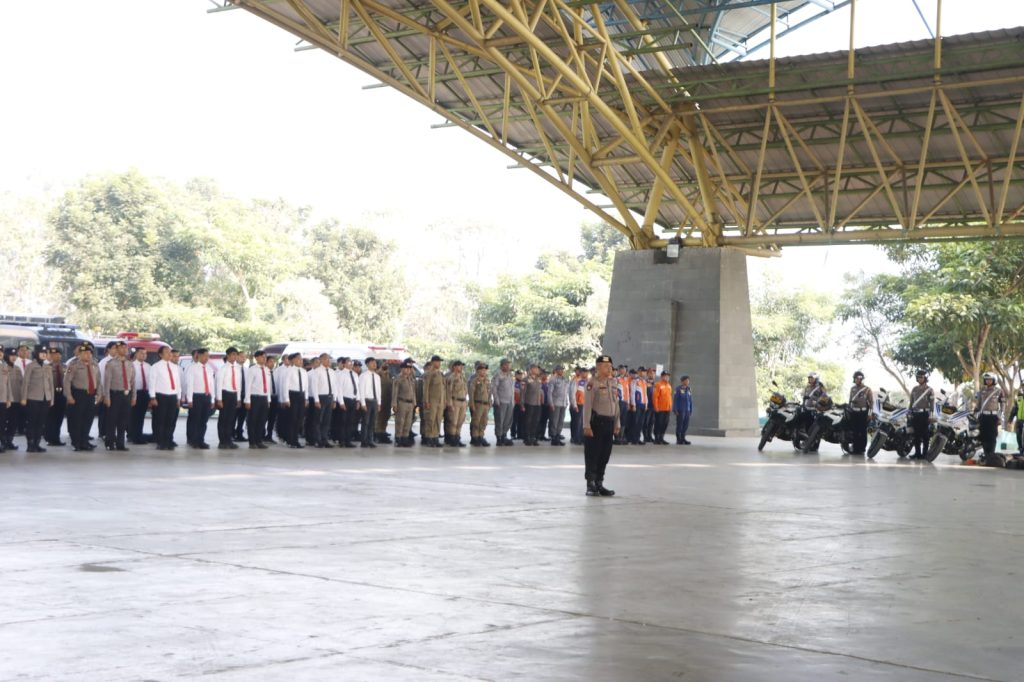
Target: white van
{"x":392,"y":355}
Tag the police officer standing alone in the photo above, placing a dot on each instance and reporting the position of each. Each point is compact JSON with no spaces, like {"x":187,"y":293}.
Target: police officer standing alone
{"x":861,"y":403}
{"x":600,"y":424}
{"x":922,"y":402}
{"x":988,"y":408}
{"x":682,"y":406}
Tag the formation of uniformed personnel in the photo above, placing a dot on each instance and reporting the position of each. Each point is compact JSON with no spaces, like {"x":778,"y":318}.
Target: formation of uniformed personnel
{"x":403,"y":391}
{"x":533,"y":402}
{"x":988,"y":407}
{"x":922,"y":404}
{"x":479,"y":404}
{"x":433,"y":403}
{"x":558,"y":400}
{"x":456,"y":390}
{"x":380,"y":430}
{"x":36,"y":397}
{"x":600,"y":424}
{"x":503,"y":392}
{"x":860,"y":405}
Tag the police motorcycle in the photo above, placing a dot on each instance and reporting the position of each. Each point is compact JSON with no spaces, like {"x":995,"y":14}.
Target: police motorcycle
{"x":956,"y":431}
{"x":782,"y":418}
{"x":830,"y":424}
{"x":892,"y":432}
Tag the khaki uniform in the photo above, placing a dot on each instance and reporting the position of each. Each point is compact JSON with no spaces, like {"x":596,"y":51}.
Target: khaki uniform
{"x":404,"y":404}
{"x":38,"y":383}
{"x":455,"y":389}
{"x":433,"y":403}
{"x":5,"y":384}
{"x":601,"y":415}
{"x":479,"y":405}
{"x":384,"y":409}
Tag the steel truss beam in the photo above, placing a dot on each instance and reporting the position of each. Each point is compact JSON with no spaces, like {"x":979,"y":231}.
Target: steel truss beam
{"x":549,"y":84}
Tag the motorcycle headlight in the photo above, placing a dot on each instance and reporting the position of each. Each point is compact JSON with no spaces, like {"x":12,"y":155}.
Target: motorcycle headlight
{"x":776,"y":400}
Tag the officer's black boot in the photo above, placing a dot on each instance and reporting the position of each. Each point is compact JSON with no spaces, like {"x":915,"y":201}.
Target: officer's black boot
{"x":483,"y":441}
{"x":592,"y":489}
{"x":602,"y":491}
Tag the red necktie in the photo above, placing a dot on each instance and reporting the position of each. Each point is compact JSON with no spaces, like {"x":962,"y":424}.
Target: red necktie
{"x":206,"y":382}
{"x":169,"y":374}
{"x":124,"y":375}
{"x":142,"y":368}
{"x":264,"y":369}
{"x":234,"y":386}
{"x":92,"y":386}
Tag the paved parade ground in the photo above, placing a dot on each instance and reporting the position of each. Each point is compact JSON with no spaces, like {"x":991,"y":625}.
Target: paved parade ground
{"x":713,"y":562}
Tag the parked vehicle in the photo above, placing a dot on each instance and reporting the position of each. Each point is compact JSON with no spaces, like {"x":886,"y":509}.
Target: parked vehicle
{"x":891,"y":430}
{"x":150,"y":341}
{"x":830,"y":424}
{"x":956,"y":432}
{"x":781,"y":421}
{"x":51,"y":331}
{"x":392,"y":355}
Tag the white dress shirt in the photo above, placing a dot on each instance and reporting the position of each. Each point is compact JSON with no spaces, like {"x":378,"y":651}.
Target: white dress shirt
{"x":369,"y":387}
{"x":295,"y":379}
{"x":144,"y":369}
{"x":229,"y":372}
{"x":258,"y":382}
{"x":322,"y":381}
{"x":102,"y":364}
{"x":348,"y":384}
{"x":160,"y":381}
{"x":196,"y":372}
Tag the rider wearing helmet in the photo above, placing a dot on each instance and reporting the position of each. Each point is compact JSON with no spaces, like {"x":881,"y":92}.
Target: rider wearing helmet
{"x":813,"y":392}
{"x":988,"y":407}
{"x":862,"y":402}
{"x":922,"y":404}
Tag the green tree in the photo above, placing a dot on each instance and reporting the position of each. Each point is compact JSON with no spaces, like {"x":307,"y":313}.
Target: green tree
{"x":876,"y":309}
{"x":360,"y":279}
{"x":600,"y":241}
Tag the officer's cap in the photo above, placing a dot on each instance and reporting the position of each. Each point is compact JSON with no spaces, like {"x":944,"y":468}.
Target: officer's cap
{"x":40,"y":348}
{"x":119,"y":344}
{"x":604,"y":358}
{"x":505,"y":361}
{"x":436,"y":358}
{"x":481,"y":365}
{"x":408,"y":363}
{"x":458,"y":363}
{"x":54,"y":349}
{"x":641,"y":368}
{"x":85,"y":346}
{"x":230,"y":350}
{"x":357,"y":363}
{"x":632,"y":371}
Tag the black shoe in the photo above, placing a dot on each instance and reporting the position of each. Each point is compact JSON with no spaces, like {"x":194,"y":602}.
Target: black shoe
{"x":121,"y":448}
{"x":55,"y":443}
{"x":89,"y":447}
{"x":592,"y":489}
{"x":602,"y":491}
{"x":10,"y":446}
{"x":686,"y":442}
{"x":459,"y":444}
{"x":484,"y":442}
{"x":223,"y":446}
{"x":202,"y":446}
{"x":270,"y":440}
{"x":239,"y":439}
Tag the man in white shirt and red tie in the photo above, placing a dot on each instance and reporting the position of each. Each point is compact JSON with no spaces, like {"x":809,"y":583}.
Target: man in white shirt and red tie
{"x":229,"y":382}
{"x":259,"y":386}
{"x":165,"y":385}
{"x":369,"y":400}
{"x":142,"y":396}
{"x":202,"y":382}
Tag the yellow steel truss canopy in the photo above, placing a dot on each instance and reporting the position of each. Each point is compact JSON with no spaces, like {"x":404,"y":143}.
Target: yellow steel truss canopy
{"x":909,"y":141}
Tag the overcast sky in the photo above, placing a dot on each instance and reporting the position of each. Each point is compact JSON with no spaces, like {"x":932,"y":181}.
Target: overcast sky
{"x":165,"y":87}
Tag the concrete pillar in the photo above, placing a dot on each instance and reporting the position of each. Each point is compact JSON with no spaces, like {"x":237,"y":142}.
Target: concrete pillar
{"x":693,"y":317}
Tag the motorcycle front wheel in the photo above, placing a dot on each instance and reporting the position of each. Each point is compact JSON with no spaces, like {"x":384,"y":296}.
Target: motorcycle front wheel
{"x":767,"y":433}
{"x":935,"y":447}
{"x":813,"y":439}
{"x":876,"y":444}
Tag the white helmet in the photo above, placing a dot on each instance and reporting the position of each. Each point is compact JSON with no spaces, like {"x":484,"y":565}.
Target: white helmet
{"x":988,"y":375}
{"x":812,"y":375}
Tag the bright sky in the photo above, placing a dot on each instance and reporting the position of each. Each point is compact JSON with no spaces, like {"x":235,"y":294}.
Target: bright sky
{"x":165,"y":87}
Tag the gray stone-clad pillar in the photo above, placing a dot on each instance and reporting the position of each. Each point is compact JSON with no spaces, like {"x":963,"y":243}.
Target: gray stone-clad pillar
{"x":693,"y":317}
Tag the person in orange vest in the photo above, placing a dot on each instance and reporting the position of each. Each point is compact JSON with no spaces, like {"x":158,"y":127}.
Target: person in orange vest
{"x":662,"y":404}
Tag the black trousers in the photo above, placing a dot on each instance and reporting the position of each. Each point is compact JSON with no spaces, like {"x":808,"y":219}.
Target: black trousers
{"x":518,"y":415}
{"x":15,"y":417}
{"x":311,"y":422}
{"x":660,"y":425}
{"x":55,"y":418}
{"x":256,"y":416}
{"x":988,"y":432}
{"x":919,"y":420}
{"x":3,"y":423}
{"x":576,"y":426}
{"x":241,"y":416}
{"x":101,"y":419}
{"x":542,"y":423}
{"x":648,"y":423}
{"x":117,"y":418}
{"x":198,"y":416}
{"x":859,"y":432}
{"x":273,"y":410}
{"x":623,"y":421}
{"x":1020,"y":436}
{"x":35,"y":420}
{"x":370,"y":418}
{"x":597,"y":449}
{"x":137,"y":419}
{"x":528,"y":429}
{"x":296,"y":414}
{"x":80,"y":417}
{"x":165,"y":418}
{"x":636,"y":424}
{"x":349,"y":417}
{"x":226,"y":418}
